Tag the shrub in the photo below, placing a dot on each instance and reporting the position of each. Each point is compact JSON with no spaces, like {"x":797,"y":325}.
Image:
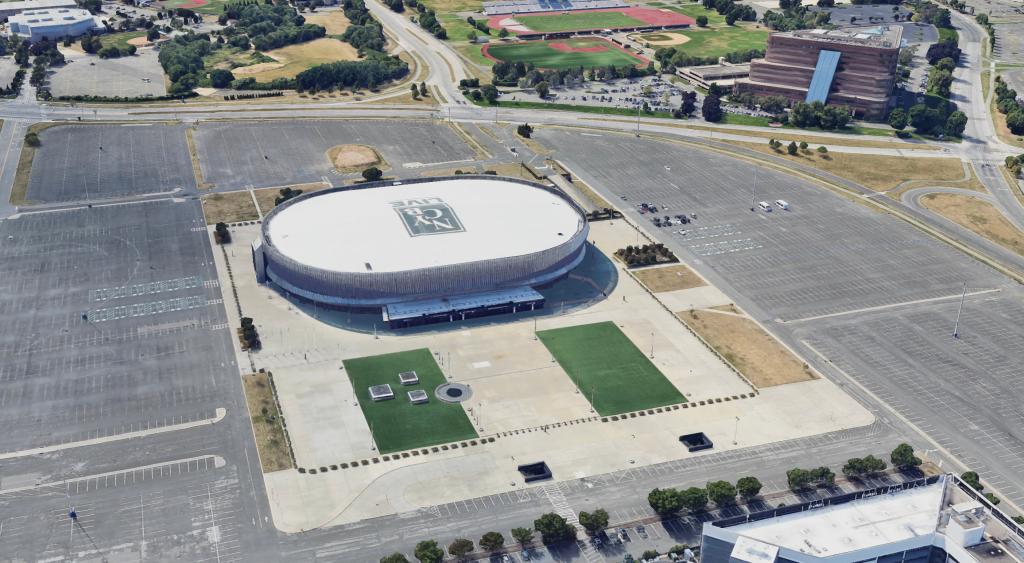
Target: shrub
{"x":32,"y":140}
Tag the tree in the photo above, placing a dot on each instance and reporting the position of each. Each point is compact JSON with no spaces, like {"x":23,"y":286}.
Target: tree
{"x":711,"y":110}
{"x":694,"y":499}
{"x":594,"y":522}
{"x":285,"y":194}
{"x":666,"y":502}
{"x":649,"y":555}
{"x":153,"y":34}
{"x":823,"y":149}
{"x":503,"y":33}
{"x":823,"y":476}
{"x":972,"y":479}
{"x":428,"y":552}
{"x":956,"y":123}
{"x":492,"y":541}
{"x":522,"y":535}
{"x":221,"y":233}
{"x":791,"y":148}
{"x":689,"y":104}
{"x":372,"y":174}
{"x":803,"y":145}
{"x":722,"y":493}
{"x":423,"y":89}
{"x":415,"y":92}
{"x":1015,"y":121}
{"x":524,"y":130}
{"x":460,"y":548}
{"x":748,"y":487}
{"x":543,"y":89}
{"x":798,"y":479}
{"x":903,"y":457}
{"x":898,"y":119}
{"x":221,"y":78}
{"x":702,"y":21}
{"x":394,"y":558}
{"x":554,"y":529}
{"x":993,"y":499}
{"x":32,"y":140}
{"x":489,"y":93}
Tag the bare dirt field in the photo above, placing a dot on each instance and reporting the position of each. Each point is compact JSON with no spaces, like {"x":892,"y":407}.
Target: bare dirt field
{"x":668,"y":278}
{"x":293,"y":59}
{"x":334,"y":22}
{"x":758,"y":356}
{"x":230,"y":207}
{"x":266,"y":196}
{"x":353,"y":158}
{"x":978,"y":216}
{"x":266,"y":423}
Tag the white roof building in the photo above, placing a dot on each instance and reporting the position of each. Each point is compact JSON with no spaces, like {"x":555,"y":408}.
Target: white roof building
{"x":53,"y":23}
{"x":933,"y":522}
{"x":8,"y":9}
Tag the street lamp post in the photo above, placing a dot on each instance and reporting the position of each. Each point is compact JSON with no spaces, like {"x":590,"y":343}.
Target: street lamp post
{"x":736,"y":431}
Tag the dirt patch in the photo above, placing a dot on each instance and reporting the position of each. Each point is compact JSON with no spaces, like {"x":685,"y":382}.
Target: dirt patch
{"x":669,"y":278}
{"x":193,"y":154}
{"x":256,"y":68}
{"x":334,"y":22}
{"x":751,"y":350}
{"x":877,"y":172}
{"x":664,"y":39}
{"x":271,"y":440}
{"x":978,"y":216}
{"x":139,"y":42}
{"x":230,"y":207}
{"x":353,"y":158}
{"x":266,"y":197}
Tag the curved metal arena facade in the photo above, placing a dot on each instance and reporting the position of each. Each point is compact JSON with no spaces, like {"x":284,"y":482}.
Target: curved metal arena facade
{"x":394,"y":242}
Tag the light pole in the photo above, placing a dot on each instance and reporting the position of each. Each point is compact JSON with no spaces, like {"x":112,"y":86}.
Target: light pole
{"x":736,"y":431}
{"x":652,"y":345}
{"x":637,"y":121}
{"x":956,"y":325}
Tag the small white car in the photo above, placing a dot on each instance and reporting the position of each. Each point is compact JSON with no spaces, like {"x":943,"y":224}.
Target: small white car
{"x":765,"y":206}
{"x":782,"y":204}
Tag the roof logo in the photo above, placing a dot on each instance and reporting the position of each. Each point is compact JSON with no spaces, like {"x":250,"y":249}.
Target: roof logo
{"x":427,"y":216}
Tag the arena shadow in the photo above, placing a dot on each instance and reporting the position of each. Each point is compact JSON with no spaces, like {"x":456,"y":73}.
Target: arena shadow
{"x":589,"y":283}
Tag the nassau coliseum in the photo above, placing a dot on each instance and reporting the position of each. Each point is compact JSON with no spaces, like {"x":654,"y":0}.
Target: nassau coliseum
{"x":426,"y":250}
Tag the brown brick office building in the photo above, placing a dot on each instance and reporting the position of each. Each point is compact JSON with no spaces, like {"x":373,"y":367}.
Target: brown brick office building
{"x":853,"y":67}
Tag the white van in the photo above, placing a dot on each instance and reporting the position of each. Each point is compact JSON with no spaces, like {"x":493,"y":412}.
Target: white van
{"x":782,"y":204}
{"x":764,"y":206}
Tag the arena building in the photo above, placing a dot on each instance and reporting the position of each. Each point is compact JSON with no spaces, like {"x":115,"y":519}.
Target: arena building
{"x":426,"y":250}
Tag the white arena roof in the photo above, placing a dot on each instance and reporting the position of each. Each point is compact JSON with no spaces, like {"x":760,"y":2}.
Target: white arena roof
{"x":406,"y":227}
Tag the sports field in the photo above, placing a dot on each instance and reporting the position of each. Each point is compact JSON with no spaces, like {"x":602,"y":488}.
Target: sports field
{"x":696,"y":9}
{"x":398,"y":424}
{"x":720,"y":41}
{"x":563,"y":53}
{"x":613,"y":374}
{"x":572,"y":21}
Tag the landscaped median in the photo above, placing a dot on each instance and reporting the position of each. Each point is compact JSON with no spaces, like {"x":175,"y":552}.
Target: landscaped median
{"x":267,"y":424}
{"x":977,"y":216}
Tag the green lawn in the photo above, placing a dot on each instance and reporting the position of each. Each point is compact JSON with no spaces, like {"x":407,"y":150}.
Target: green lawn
{"x":694,"y":10}
{"x":120,"y":40}
{"x":613,"y":374}
{"x":720,"y":41}
{"x":578,"y":20}
{"x":603,"y":110}
{"x":211,"y":7}
{"x":946,"y":33}
{"x":398,"y":424}
{"x":543,"y":56}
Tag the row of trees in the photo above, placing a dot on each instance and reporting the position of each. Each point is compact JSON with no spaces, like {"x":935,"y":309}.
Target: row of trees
{"x":428,"y":19}
{"x":270,"y":26}
{"x":817,"y":114}
{"x":375,"y":70}
{"x":793,"y":15}
{"x":1015,"y":164}
{"x":364,"y":32}
{"x":902,"y":458}
{"x":670,"y":502}
{"x":732,"y":11}
{"x":672,"y":58}
{"x":552,"y":527}
{"x":933,"y":118}
{"x":1008,"y":105}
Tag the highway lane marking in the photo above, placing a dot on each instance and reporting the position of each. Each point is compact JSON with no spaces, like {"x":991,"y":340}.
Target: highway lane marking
{"x":221,"y":413}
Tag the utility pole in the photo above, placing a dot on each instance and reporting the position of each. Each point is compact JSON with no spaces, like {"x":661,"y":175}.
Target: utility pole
{"x":956,"y":325}
{"x":736,"y":431}
{"x":753,"y":191}
{"x":638,"y":121}
{"x":652,"y":345}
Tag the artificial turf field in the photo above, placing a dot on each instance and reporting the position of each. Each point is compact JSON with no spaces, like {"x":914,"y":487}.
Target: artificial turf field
{"x":542,"y":55}
{"x":398,"y":424}
{"x":573,"y":21}
{"x":611,"y":372}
